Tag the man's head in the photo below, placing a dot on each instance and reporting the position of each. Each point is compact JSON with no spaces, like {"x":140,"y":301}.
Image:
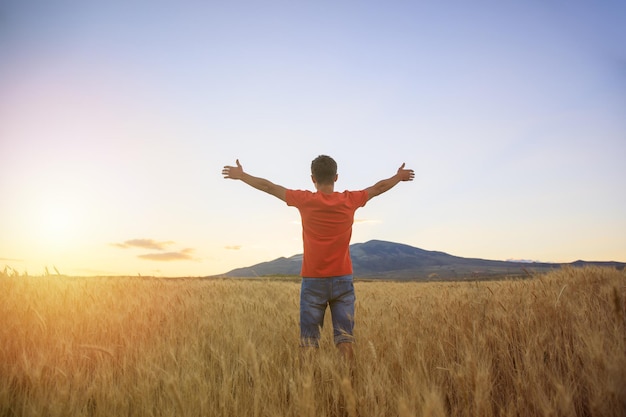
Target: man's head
{"x":324,"y":170}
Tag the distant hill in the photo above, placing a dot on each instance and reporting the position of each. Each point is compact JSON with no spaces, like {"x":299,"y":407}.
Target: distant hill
{"x":378,"y":259}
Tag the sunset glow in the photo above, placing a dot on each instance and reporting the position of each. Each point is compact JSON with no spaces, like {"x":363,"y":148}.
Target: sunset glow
{"x":116,"y":120}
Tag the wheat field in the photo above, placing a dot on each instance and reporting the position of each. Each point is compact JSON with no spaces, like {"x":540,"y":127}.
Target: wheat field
{"x":551,"y":345}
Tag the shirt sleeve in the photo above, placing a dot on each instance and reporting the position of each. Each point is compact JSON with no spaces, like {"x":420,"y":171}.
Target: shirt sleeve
{"x":359,"y":198}
{"x":294,"y":198}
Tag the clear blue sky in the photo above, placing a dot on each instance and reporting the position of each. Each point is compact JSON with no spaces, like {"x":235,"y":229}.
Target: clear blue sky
{"x":116,"y":119}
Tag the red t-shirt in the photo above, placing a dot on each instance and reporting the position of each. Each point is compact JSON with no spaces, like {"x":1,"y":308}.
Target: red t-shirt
{"x":326,"y":230}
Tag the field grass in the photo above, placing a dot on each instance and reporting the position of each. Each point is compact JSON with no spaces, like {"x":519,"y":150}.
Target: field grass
{"x":553,"y":345}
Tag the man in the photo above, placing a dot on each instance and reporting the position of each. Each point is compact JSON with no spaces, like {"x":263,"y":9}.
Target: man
{"x":327,"y":218}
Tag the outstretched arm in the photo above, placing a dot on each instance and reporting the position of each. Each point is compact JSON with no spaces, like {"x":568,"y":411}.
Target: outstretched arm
{"x":386,"y":185}
{"x":237,"y":173}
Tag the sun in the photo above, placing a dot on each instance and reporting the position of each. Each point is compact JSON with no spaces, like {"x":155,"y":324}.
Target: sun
{"x":56,"y":220}
{"x":58,"y":223}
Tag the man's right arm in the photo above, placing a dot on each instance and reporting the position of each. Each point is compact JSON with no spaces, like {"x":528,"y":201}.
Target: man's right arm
{"x":387,"y":184}
{"x":237,"y":173}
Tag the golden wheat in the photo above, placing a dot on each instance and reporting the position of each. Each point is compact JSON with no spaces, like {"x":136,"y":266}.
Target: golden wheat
{"x":551,"y":345}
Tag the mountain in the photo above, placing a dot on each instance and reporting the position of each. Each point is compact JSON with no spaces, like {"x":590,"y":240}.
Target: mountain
{"x":378,"y":259}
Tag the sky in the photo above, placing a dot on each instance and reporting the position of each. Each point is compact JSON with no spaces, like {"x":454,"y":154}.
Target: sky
{"x":117,"y":117}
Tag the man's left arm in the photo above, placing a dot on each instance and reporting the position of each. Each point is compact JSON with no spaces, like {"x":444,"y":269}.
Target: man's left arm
{"x":237,"y":173}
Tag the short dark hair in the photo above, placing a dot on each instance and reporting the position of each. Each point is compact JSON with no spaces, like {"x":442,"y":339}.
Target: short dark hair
{"x":324,"y":169}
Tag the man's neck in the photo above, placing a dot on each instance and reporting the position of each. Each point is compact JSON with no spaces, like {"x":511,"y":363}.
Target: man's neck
{"x":325,"y":188}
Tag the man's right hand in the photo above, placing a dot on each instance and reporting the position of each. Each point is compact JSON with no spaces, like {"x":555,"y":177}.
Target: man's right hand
{"x":405,"y":174}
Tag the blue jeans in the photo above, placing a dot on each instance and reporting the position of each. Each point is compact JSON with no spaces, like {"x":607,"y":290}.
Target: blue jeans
{"x":318,"y":293}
